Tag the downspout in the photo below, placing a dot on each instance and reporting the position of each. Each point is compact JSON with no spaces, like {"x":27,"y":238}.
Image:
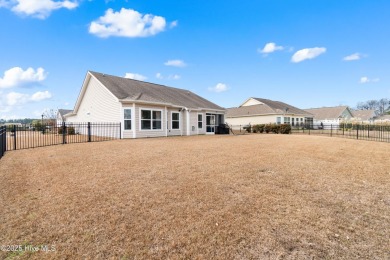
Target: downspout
{"x":166,"y":122}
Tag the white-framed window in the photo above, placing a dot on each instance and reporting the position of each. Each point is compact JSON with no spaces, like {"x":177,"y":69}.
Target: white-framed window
{"x":278,"y":120}
{"x":150,"y":119}
{"x":200,"y":121}
{"x":127,"y":119}
{"x":286,"y":120}
{"x":175,"y":120}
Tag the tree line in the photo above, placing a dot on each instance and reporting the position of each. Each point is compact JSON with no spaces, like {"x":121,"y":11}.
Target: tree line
{"x":381,"y":106}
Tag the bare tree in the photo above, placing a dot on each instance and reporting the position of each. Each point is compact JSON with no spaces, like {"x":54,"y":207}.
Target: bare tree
{"x":383,"y":105}
{"x":50,"y":116}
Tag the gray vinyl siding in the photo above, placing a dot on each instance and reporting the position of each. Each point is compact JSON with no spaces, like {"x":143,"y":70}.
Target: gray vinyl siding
{"x":101,"y":105}
{"x":150,"y":133}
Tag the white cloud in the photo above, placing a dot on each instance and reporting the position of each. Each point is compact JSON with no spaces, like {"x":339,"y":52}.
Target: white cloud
{"x":220,"y":87}
{"x":307,"y":54}
{"x":355,"y":56}
{"x":169,"y":77}
{"x":40,"y":95}
{"x":15,"y":98}
{"x":175,"y":63}
{"x":173,"y":24}
{"x":16,"y":77}
{"x":364,"y":80}
{"x":135,"y":76}
{"x":270,"y":47}
{"x":127,"y":23}
{"x":37,"y":8}
{"x":174,"y":77}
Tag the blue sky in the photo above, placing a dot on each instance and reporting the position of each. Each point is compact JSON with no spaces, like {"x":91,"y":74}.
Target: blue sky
{"x":305,"y":53}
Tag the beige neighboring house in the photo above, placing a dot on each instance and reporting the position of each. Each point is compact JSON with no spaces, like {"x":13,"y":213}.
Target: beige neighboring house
{"x":366,"y":116}
{"x":264,"y":111}
{"x":60,"y":115}
{"x":144,"y":109}
{"x":383,"y":119}
{"x":330,"y":115}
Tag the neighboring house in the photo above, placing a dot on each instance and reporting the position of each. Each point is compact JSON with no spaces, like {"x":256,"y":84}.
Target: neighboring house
{"x":60,"y":115}
{"x":144,"y":109}
{"x":364,"y":116}
{"x":383,"y":119}
{"x":330,"y":115}
{"x":264,"y":111}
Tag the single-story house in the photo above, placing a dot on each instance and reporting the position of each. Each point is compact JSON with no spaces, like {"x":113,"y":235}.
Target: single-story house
{"x":264,"y":111}
{"x":144,"y":109}
{"x":330,"y":115}
{"x":383,"y":119}
{"x":364,"y":116}
{"x":60,"y":115}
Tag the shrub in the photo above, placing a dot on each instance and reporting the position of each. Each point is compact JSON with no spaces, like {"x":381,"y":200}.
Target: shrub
{"x":268,"y":128}
{"x":248,"y":128}
{"x":275,"y":128}
{"x":71,"y":130}
{"x":59,"y":130}
{"x":285,"y":129}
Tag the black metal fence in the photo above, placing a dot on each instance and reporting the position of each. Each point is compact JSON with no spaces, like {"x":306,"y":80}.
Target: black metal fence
{"x":15,"y":137}
{"x":3,"y":140}
{"x":379,"y":133}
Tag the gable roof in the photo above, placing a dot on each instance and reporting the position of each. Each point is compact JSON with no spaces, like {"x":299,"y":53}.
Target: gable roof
{"x":267,"y":107}
{"x":131,"y":90}
{"x":63,"y":112}
{"x":364,"y":115}
{"x":323,"y":113}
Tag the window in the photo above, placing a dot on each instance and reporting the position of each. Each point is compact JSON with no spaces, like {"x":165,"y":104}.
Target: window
{"x":278,"y":120}
{"x":150,"y":119}
{"x":292,"y":122}
{"x":127,"y":119}
{"x":175,"y":120}
{"x":200,"y":121}
{"x":286,"y":120}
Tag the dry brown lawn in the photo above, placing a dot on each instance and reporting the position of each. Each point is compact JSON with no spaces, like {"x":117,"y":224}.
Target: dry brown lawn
{"x":205,"y":197}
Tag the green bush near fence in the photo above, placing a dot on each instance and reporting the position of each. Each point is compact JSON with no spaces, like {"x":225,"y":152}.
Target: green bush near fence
{"x":70,"y":130}
{"x":272,"y":128}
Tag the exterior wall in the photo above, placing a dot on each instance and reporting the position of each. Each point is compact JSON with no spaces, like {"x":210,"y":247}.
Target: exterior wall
{"x":98,"y":105}
{"x":150,"y":133}
{"x":251,"y":102}
{"x":252,"y":120}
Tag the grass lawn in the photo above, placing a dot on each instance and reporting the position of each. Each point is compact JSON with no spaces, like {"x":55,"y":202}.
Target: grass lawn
{"x":204,"y":197}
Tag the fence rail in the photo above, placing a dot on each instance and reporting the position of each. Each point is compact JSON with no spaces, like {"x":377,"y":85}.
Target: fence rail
{"x":16,"y":137}
{"x":379,"y":133}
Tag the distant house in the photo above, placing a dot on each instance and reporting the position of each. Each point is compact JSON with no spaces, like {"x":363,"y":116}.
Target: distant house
{"x":383,"y":119}
{"x":144,"y":109}
{"x":61,"y":115}
{"x":330,"y":115}
{"x":264,"y":111}
{"x":364,"y":116}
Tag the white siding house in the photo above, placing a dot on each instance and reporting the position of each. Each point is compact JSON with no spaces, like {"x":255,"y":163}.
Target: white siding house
{"x":144,"y":109}
{"x":330,"y":115}
{"x":264,"y":111}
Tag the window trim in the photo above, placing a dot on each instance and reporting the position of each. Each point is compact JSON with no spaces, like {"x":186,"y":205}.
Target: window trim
{"x":131,"y":119}
{"x":200,"y":121}
{"x":151,"y":119}
{"x":176,"y":129}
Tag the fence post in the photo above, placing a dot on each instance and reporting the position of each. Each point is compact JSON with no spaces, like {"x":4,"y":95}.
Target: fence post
{"x":368,"y":131}
{"x":357,"y":131}
{"x":14,"y":130}
{"x":331,"y":130}
{"x":89,"y":131}
{"x":63,"y":133}
{"x":120,"y":130}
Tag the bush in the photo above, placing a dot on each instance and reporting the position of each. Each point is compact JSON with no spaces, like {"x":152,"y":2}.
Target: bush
{"x":71,"y":130}
{"x":248,"y":128}
{"x":268,"y":128}
{"x":285,"y":129}
{"x":59,"y":130}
